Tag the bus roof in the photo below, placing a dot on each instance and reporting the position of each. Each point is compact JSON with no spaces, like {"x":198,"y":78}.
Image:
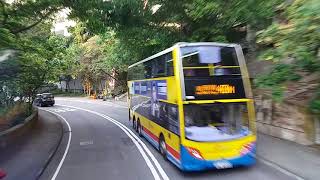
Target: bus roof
{"x":184,"y":44}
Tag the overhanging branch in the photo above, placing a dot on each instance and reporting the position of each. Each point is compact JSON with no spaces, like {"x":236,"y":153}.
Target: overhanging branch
{"x":35,"y":23}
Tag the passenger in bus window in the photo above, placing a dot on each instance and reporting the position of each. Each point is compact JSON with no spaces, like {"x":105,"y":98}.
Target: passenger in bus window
{"x":189,"y":72}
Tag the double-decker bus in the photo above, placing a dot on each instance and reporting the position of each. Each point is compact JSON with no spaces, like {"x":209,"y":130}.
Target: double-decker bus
{"x":193,"y":102}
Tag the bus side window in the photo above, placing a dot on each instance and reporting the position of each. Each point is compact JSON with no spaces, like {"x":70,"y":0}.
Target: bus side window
{"x":169,"y":64}
{"x":134,"y":73}
{"x":158,"y":68}
{"x":147,"y":69}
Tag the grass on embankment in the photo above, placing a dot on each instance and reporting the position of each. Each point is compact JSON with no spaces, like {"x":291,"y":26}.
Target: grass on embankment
{"x":59,"y":93}
{"x":13,"y":115}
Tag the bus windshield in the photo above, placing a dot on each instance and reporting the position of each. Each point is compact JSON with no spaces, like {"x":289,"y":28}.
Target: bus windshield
{"x":216,"y":122}
{"x":209,"y":61}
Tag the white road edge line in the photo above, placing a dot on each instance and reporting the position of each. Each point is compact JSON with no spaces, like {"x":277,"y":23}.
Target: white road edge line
{"x":279,"y":168}
{"x":134,"y":138}
{"x":67,"y":148}
{"x":162,"y":172}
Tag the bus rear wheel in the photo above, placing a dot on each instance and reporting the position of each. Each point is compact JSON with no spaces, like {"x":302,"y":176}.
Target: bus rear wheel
{"x":134,"y":123}
{"x":129,"y":116}
{"x":139,"y":128}
{"x":162,"y":147}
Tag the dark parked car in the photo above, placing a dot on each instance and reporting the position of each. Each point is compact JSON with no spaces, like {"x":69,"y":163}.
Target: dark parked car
{"x":100,"y":95}
{"x":45,"y":99}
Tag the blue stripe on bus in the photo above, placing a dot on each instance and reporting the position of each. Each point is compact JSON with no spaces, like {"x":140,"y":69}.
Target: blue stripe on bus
{"x":173,"y":160}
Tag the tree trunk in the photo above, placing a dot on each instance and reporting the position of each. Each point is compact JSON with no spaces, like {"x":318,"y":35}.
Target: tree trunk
{"x":67,"y":85}
{"x":74,"y":86}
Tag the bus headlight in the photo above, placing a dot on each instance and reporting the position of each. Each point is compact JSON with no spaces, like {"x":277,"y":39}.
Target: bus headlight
{"x":247,"y":148}
{"x":194,"y":152}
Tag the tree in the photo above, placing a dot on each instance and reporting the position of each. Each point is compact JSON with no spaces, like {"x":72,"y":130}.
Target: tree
{"x":20,"y":16}
{"x":292,"y":42}
{"x":41,"y":60}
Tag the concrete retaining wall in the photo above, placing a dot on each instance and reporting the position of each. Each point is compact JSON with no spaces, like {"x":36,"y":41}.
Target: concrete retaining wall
{"x":284,"y":120}
{"x":9,"y":136}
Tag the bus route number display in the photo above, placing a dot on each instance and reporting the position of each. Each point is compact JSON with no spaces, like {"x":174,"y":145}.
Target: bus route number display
{"x":215,"y":89}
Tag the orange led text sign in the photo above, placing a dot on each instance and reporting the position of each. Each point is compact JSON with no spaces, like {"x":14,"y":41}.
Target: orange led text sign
{"x":215,"y":89}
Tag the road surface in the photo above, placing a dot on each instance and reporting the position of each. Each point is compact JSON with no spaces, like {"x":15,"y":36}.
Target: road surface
{"x":99,"y":144}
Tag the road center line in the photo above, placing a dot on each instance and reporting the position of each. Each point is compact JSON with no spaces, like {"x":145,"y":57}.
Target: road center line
{"x":136,"y":141}
{"x":67,"y":148}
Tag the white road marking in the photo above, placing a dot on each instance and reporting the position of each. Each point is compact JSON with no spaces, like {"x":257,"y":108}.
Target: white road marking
{"x":63,"y":110}
{"x":279,"y":168}
{"x":133,"y":137}
{"x":162,"y":172}
{"x":67,"y":148}
{"x":104,"y":103}
{"x":85,"y":143}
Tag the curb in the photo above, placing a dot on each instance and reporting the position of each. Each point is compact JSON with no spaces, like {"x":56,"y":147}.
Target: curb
{"x":9,"y":136}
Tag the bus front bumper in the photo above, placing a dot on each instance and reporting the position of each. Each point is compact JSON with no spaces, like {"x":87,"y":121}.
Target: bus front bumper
{"x":190,"y":163}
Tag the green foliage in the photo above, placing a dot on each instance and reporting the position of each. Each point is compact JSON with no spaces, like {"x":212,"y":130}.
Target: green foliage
{"x":23,"y":15}
{"x":117,"y":56}
{"x":315,"y":103}
{"x":280,"y":73}
{"x":25,"y":34}
{"x":110,"y":35}
{"x":143,"y":32}
{"x":7,"y":39}
{"x":295,"y":36}
{"x":41,"y":58}
{"x":37,"y":61}
{"x":315,"y":106}
{"x":59,"y":93}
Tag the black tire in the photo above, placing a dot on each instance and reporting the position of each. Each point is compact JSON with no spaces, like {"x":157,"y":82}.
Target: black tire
{"x":129,"y":116}
{"x":134,"y":123}
{"x":139,"y":128}
{"x":162,"y":147}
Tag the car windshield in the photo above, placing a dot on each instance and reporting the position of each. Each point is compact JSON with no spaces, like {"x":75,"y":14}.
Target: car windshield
{"x":219,"y":121}
{"x":47,"y":96}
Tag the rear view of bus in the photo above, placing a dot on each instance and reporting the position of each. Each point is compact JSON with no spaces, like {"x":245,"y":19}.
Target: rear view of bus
{"x":217,"y":126}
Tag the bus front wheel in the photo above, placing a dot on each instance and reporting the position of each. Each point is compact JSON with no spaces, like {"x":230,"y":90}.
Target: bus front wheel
{"x":162,"y":147}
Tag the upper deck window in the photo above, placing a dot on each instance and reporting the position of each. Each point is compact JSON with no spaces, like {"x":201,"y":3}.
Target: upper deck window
{"x":209,"y":61}
{"x":161,"y":66}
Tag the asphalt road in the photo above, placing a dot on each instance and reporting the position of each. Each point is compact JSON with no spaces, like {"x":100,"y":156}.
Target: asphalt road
{"x":99,"y":143}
